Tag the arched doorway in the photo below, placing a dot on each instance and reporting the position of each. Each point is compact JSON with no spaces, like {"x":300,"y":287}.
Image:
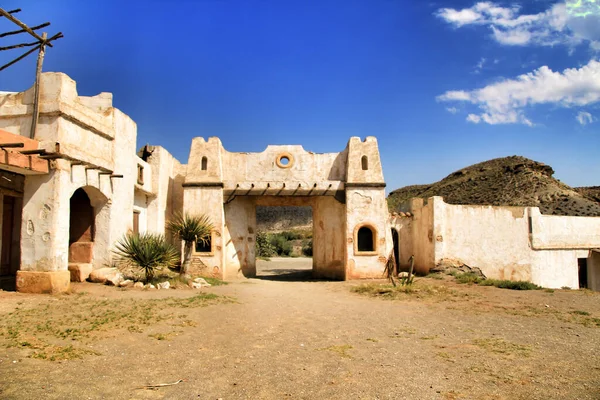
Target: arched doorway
{"x":396,"y":241}
{"x":81,"y":228}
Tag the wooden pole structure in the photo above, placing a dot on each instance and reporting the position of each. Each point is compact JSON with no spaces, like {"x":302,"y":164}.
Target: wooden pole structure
{"x":8,"y":16}
{"x":36,"y":90}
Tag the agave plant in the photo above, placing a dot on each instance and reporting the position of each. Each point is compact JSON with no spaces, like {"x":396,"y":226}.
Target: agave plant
{"x":148,"y":251}
{"x":190,"y":229}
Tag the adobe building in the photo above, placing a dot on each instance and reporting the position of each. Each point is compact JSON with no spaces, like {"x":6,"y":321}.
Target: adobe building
{"x":68,"y":193}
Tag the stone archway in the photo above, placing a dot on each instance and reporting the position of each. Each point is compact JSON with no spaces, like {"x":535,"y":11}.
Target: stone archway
{"x":88,"y":231}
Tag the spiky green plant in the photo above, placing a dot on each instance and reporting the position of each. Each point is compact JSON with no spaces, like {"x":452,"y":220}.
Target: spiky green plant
{"x":190,"y":229}
{"x":147,"y":251}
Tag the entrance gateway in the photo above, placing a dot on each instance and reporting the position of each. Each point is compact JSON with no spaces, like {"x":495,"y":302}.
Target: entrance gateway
{"x":345,"y":190}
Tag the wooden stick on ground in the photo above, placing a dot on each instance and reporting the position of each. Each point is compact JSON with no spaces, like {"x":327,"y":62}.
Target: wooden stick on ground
{"x":159,"y":385}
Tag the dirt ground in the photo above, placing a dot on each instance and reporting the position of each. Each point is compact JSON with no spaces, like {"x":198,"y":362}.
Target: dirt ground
{"x":284,"y":336}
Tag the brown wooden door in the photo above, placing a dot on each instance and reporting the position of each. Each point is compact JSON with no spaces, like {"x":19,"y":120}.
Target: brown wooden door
{"x":7,"y":230}
{"x":136,"y":222}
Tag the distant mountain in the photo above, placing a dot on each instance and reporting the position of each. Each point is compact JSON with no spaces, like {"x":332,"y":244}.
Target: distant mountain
{"x":508,"y":181}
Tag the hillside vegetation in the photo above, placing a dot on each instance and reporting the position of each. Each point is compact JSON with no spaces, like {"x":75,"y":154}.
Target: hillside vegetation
{"x":507,"y":181}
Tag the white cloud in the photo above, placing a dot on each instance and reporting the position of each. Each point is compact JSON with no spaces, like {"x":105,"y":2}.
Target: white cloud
{"x":584,"y":118}
{"x":479,"y":65}
{"x":504,"y":102}
{"x":563,"y":23}
{"x":452,"y":110}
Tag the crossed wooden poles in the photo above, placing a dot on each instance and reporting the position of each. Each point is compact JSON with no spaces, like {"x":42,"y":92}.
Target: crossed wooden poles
{"x":38,"y":45}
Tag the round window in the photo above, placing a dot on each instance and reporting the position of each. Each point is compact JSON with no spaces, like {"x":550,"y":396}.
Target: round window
{"x":285,"y":160}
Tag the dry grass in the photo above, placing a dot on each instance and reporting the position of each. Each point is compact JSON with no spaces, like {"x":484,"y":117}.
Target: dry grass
{"x":504,"y":347}
{"x":77,"y":319}
{"x":341,"y":350}
{"x":418,"y":290}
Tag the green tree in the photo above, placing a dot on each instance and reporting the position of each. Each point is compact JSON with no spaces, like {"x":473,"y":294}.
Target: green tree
{"x":190,"y":229}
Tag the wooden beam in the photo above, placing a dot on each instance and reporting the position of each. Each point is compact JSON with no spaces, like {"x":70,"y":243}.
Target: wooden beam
{"x":12,"y":145}
{"x":45,"y":24}
{"x":31,"y":152}
{"x":22,"y":25}
{"x":18,"y":46}
{"x":20,"y":58}
{"x":36,"y":93}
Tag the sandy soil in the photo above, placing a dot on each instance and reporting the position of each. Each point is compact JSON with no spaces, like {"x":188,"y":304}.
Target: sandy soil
{"x":303,"y":339}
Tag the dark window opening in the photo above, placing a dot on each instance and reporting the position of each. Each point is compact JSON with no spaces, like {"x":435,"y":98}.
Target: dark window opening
{"x":140,"y":176}
{"x":365,"y":163}
{"x":204,"y":246}
{"x":204,"y":163}
{"x":365,"y":239}
{"x":583,"y":273}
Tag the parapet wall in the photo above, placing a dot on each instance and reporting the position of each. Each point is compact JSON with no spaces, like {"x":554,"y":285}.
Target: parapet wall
{"x":515,"y":243}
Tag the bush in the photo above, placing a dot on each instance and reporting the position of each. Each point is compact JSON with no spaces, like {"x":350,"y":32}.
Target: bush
{"x":307,"y":248}
{"x":147,"y":251}
{"x":471,"y":278}
{"x":514,"y":285}
{"x":263,"y":246}
{"x":468,"y":277}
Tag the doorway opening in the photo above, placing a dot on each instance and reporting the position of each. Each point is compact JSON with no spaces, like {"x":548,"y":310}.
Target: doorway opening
{"x":396,"y":242}
{"x":284,"y":241}
{"x":81,"y":228}
{"x":583,"y":272}
{"x":11,"y":241}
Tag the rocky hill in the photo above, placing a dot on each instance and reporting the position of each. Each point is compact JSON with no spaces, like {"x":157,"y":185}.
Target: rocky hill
{"x":508,"y":181}
{"x":277,"y":219}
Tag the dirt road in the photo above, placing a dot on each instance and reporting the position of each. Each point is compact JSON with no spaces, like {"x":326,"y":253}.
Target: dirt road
{"x":318,"y":340}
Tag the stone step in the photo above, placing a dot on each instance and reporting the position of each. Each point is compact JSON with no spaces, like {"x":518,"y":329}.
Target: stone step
{"x":80,"y":271}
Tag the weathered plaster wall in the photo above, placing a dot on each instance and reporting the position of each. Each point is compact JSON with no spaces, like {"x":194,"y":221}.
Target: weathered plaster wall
{"x":208,"y":201}
{"x":497,"y":240}
{"x":492,"y":238}
{"x":558,"y":232}
{"x":365,"y":207}
{"x":168,"y":176}
{"x":240,"y":237}
{"x":329,"y":239}
{"x":594,"y":270}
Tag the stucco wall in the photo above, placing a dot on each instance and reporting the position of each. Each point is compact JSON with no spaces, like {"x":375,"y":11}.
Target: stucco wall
{"x":497,"y":240}
{"x":168,"y":175}
{"x":208,"y":201}
{"x":594,"y":270}
{"x":559,"y":232}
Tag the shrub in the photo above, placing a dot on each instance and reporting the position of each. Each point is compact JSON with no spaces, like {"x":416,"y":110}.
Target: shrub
{"x":471,"y":278}
{"x":147,"y":251}
{"x":190,"y":229}
{"x":264,"y":248}
{"x":514,"y":285}
{"x":307,"y":248}
{"x":468,"y":277}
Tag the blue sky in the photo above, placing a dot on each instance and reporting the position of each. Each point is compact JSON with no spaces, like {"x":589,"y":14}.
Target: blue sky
{"x":442,"y":85}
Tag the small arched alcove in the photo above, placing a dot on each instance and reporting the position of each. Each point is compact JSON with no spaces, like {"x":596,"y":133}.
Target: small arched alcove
{"x":204,"y":163}
{"x":366,"y":239}
{"x":364,"y":161}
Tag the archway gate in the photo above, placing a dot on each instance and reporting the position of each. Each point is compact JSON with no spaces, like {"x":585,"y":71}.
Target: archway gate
{"x":346,"y":191}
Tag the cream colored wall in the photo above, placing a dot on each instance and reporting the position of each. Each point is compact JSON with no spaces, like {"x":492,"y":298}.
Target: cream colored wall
{"x":366,"y":207}
{"x":594,"y":270}
{"x":497,"y":240}
{"x":560,"y":232}
{"x":240,"y":238}
{"x":329,"y":239}
{"x":494,"y":239}
{"x":209,"y":201}
{"x":167,"y":178}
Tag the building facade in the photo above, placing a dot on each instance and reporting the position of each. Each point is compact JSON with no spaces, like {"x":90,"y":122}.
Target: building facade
{"x":68,"y":193}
